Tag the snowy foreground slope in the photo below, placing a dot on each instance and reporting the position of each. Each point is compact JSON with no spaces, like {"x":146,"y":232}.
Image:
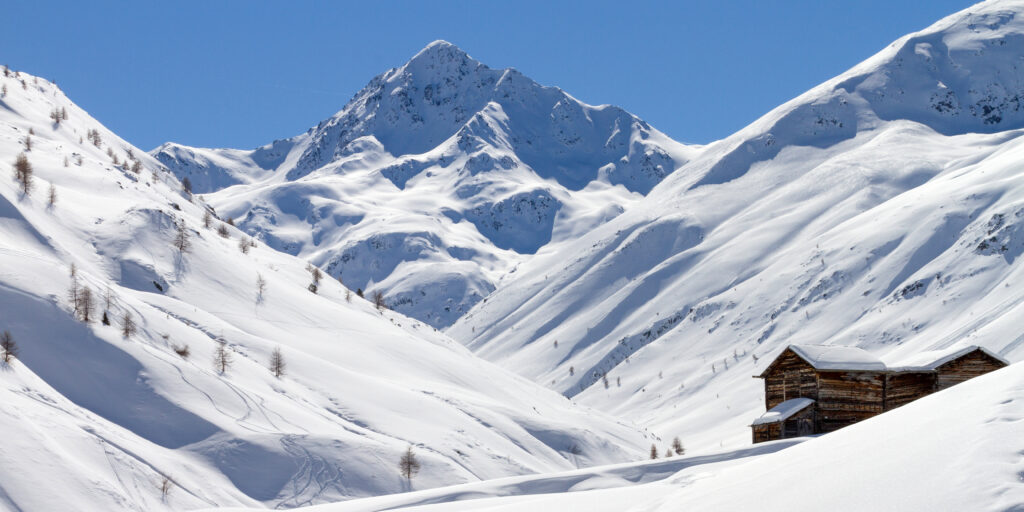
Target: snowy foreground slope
{"x":960,"y":449}
{"x":883,"y":209}
{"x":436,"y":180}
{"x":93,"y":419}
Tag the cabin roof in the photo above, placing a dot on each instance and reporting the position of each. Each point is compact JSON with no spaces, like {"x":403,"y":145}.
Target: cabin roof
{"x":783,"y":411}
{"x":833,"y":357}
{"x":932,"y":359}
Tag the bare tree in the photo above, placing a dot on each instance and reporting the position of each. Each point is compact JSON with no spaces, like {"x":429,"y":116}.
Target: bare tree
{"x":668,"y":453}
{"x":378,"y":300}
{"x":166,"y":485}
{"x":677,"y":446}
{"x":348,"y":295}
{"x":316,"y":275}
{"x":23,"y":173}
{"x":244,"y":244}
{"x":207,"y":219}
{"x":55,"y":114}
{"x":52,"y":196}
{"x":277,"y":362}
{"x":137,"y":167}
{"x":222,"y":357}
{"x":261,"y":287}
{"x":128,"y":328}
{"x":73,"y":290}
{"x":86,"y":304}
{"x":408,"y":465}
{"x":223,"y":231}
{"x":108,"y":299}
{"x":8,"y":348}
{"x":182,"y":239}
{"x":94,"y":136}
{"x":28,"y":141}
{"x":654,"y":452}
{"x":182,"y":351}
{"x":186,"y":186}
{"x":3,"y":91}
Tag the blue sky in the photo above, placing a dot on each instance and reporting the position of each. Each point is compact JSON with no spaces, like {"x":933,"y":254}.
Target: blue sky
{"x":241,"y":74}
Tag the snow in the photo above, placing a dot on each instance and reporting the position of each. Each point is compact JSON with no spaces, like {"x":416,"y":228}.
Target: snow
{"x":783,"y":411}
{"x":829,"y":357}
{"x":958,"y":449}
{"x":104,"y":417}
{"x":855,"y":215}
{"x":933,"y":359}
{"x":604,"y":289}
{"x":436,"y":180}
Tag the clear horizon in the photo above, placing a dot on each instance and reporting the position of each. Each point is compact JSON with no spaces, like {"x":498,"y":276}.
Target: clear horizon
{"x":240,"y":75}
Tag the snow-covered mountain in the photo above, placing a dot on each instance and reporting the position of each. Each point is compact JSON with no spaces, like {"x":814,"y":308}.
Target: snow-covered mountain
{"x":436,"y":180}
{"x":95,"y":415}
{"x":882,"y":209}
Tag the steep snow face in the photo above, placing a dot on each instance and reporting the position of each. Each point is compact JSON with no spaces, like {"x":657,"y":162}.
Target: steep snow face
{"x":106,"y":412}
{"x":856,"y":214}
{"x":436,"y":180}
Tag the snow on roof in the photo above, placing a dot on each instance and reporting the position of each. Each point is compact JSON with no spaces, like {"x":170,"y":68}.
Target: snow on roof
{"x":782,"y":411}
{"x":829,"y":357}
{"x":932,"y":359}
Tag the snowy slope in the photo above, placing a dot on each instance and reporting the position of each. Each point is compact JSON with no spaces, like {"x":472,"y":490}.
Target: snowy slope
{"x":960,"y":449}
{"x":105,"y":417}
{"x":436,"y":179}
{"x":883,"y":209}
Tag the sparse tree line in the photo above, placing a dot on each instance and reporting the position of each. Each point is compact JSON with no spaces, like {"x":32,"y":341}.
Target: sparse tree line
{"x":676,"y":449}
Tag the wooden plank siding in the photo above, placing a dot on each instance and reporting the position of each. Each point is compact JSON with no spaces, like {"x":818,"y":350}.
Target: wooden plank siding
{"x":766,"y":432}
{"x":966,"y":367}
{"x":903,"y":388}
{"x":846,"y":397}
{"x":790,"y":377}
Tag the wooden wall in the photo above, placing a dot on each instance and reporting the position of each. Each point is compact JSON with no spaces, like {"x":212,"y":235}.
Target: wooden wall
{"x":966,"y":367}
{"x":789,"y":377}
{"x":846,"y":397}
{"x":767,"y":432}
{"x":903,"y":388}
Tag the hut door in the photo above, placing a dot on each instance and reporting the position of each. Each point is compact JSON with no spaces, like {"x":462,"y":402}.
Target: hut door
{"x":805,"y":427}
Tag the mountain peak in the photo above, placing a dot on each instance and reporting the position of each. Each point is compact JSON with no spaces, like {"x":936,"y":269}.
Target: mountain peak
{"x":441,"y":57}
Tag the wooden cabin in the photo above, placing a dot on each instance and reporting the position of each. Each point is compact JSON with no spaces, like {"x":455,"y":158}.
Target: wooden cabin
{"x":814,"y":389}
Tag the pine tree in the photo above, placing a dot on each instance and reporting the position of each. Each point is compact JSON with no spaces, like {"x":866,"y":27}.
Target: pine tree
{"x":277,"y":362}
{"x":408,"y":465}
{"x":8,"y":348}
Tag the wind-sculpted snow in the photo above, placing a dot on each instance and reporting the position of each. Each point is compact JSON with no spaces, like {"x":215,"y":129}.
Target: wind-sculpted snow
{"x":513,"y":165}
{"x":856,"y":214}
{"x":107,"y":408}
